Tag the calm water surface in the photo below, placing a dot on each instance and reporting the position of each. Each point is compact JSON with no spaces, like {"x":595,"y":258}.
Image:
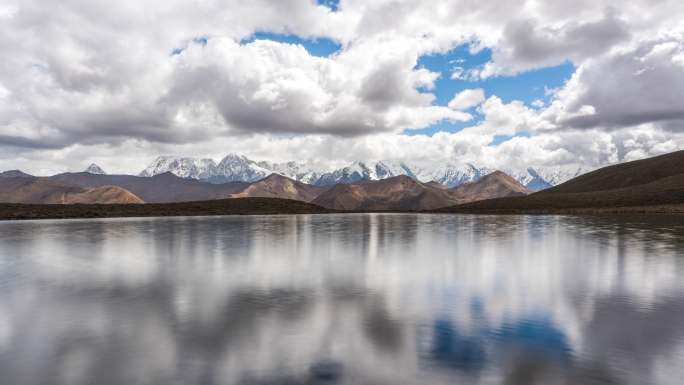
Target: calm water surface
{"x":343,"y":299}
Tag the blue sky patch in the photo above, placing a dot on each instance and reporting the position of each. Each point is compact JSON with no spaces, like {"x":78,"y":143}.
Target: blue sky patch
{"x":332,"y":4}
{"x":498,"y":139}
{"x":526,"y":87}
{"x":201,"y":40}
{"x":321,"y":47}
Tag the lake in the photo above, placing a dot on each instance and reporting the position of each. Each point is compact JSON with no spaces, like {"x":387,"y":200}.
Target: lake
{"x":343,"y":299}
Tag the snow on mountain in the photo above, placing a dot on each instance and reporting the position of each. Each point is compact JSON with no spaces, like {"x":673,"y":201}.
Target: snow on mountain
{"x":182,"y":167}
{"x":355,"y":172}
{"x":542,"y":177}
{"x":300,"y":171}
{"x":385,"y":169}
{"x":238,"y":168}
{"x":556,"y":175}
{"x":529,"y":177}
{"x":235,"y":167}
{"x":361,"y":171}
{"x":452,"y":175}
{"x":95,"y":169}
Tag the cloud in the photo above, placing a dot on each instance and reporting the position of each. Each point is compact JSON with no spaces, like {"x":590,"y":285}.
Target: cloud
{"x":506,"y":118}
{"x":644,"y":84}
{"x":526,"y":44}
{"x":279,"y":88}
{"x":135,"y":81}
{"x":467,"y":98}
{"x":160,"y":83}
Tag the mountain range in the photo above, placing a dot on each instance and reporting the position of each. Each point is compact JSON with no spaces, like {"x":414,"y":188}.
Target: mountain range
{"x":399,"y":193}
{"x":239,"y":168}
{"x":649,"y":185}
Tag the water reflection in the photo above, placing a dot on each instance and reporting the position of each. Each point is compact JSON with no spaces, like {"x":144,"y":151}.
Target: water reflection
{"x":345,"y":299}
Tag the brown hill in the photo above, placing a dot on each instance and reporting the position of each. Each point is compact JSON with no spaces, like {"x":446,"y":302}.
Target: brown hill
{"x":400,"y":193}
{"x":42,"y":190}
{"x":102,"y":195}
{"x":278,"y":186}
{"x":609,"y":189}
{"x":162,"y":188}
{"x":494,"y":185}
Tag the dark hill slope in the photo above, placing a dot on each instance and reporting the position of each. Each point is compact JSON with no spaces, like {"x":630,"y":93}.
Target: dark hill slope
{"x":624,"y":175}
{"x":664,"y":192}
{"x":610,"y":189}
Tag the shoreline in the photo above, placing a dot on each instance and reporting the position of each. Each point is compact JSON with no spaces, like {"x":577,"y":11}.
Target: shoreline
{"x":277,"y":206}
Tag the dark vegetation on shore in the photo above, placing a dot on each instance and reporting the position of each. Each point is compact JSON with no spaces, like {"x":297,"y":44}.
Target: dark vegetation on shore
{"x":234,"y":206}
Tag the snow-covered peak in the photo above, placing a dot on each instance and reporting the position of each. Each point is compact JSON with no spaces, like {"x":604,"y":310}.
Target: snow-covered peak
{"x":239,"y":168}
{"x":300,"y":171}
{"x":556,"y":175}
{"x":452,"y":174}
{"x":529,"y":177}
{"x":363,"y":171}
{"x":542,"y":177}
{"x":95,"y":169}
{"x":386,"y":169}
{"x":182,"y":167}
{"x":235,"y":158}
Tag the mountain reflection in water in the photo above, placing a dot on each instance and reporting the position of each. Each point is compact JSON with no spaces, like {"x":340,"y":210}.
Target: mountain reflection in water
{"x":343,"y":299}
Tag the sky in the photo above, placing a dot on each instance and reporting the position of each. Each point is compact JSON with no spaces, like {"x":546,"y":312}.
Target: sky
{"x":497,"y":84}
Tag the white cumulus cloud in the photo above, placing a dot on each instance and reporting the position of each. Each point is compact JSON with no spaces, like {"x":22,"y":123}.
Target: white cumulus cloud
{"x":467,"y":99}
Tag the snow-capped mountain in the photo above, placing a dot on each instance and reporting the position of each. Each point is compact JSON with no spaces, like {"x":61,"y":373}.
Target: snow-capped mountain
{"x":95,"y":169}
{"x":452,"y":175}
{"x":238,"y":168}
{"x":529,"y":177}
{"x":543,"y":177}
{"x":556,"y":175}
{"x":181,"y":166}
{"x":360,"y":171}
{"x":300,"y":171}
{"x":234,"y":168}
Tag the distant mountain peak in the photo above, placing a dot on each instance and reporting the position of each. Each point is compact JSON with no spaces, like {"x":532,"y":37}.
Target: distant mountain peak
{"x":234,"y":157}
{"x":496,"y":173}
{"x":183,"y":167}
{"x":95,"y":169}
{"x":14,"y":174}
{"x":276,"y":176}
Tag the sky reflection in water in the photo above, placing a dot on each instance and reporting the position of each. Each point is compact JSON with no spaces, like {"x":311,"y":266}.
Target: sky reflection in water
{"x":344,"y":299}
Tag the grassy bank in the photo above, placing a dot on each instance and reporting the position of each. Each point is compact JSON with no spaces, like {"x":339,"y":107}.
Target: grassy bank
{"x":236,"y":206}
